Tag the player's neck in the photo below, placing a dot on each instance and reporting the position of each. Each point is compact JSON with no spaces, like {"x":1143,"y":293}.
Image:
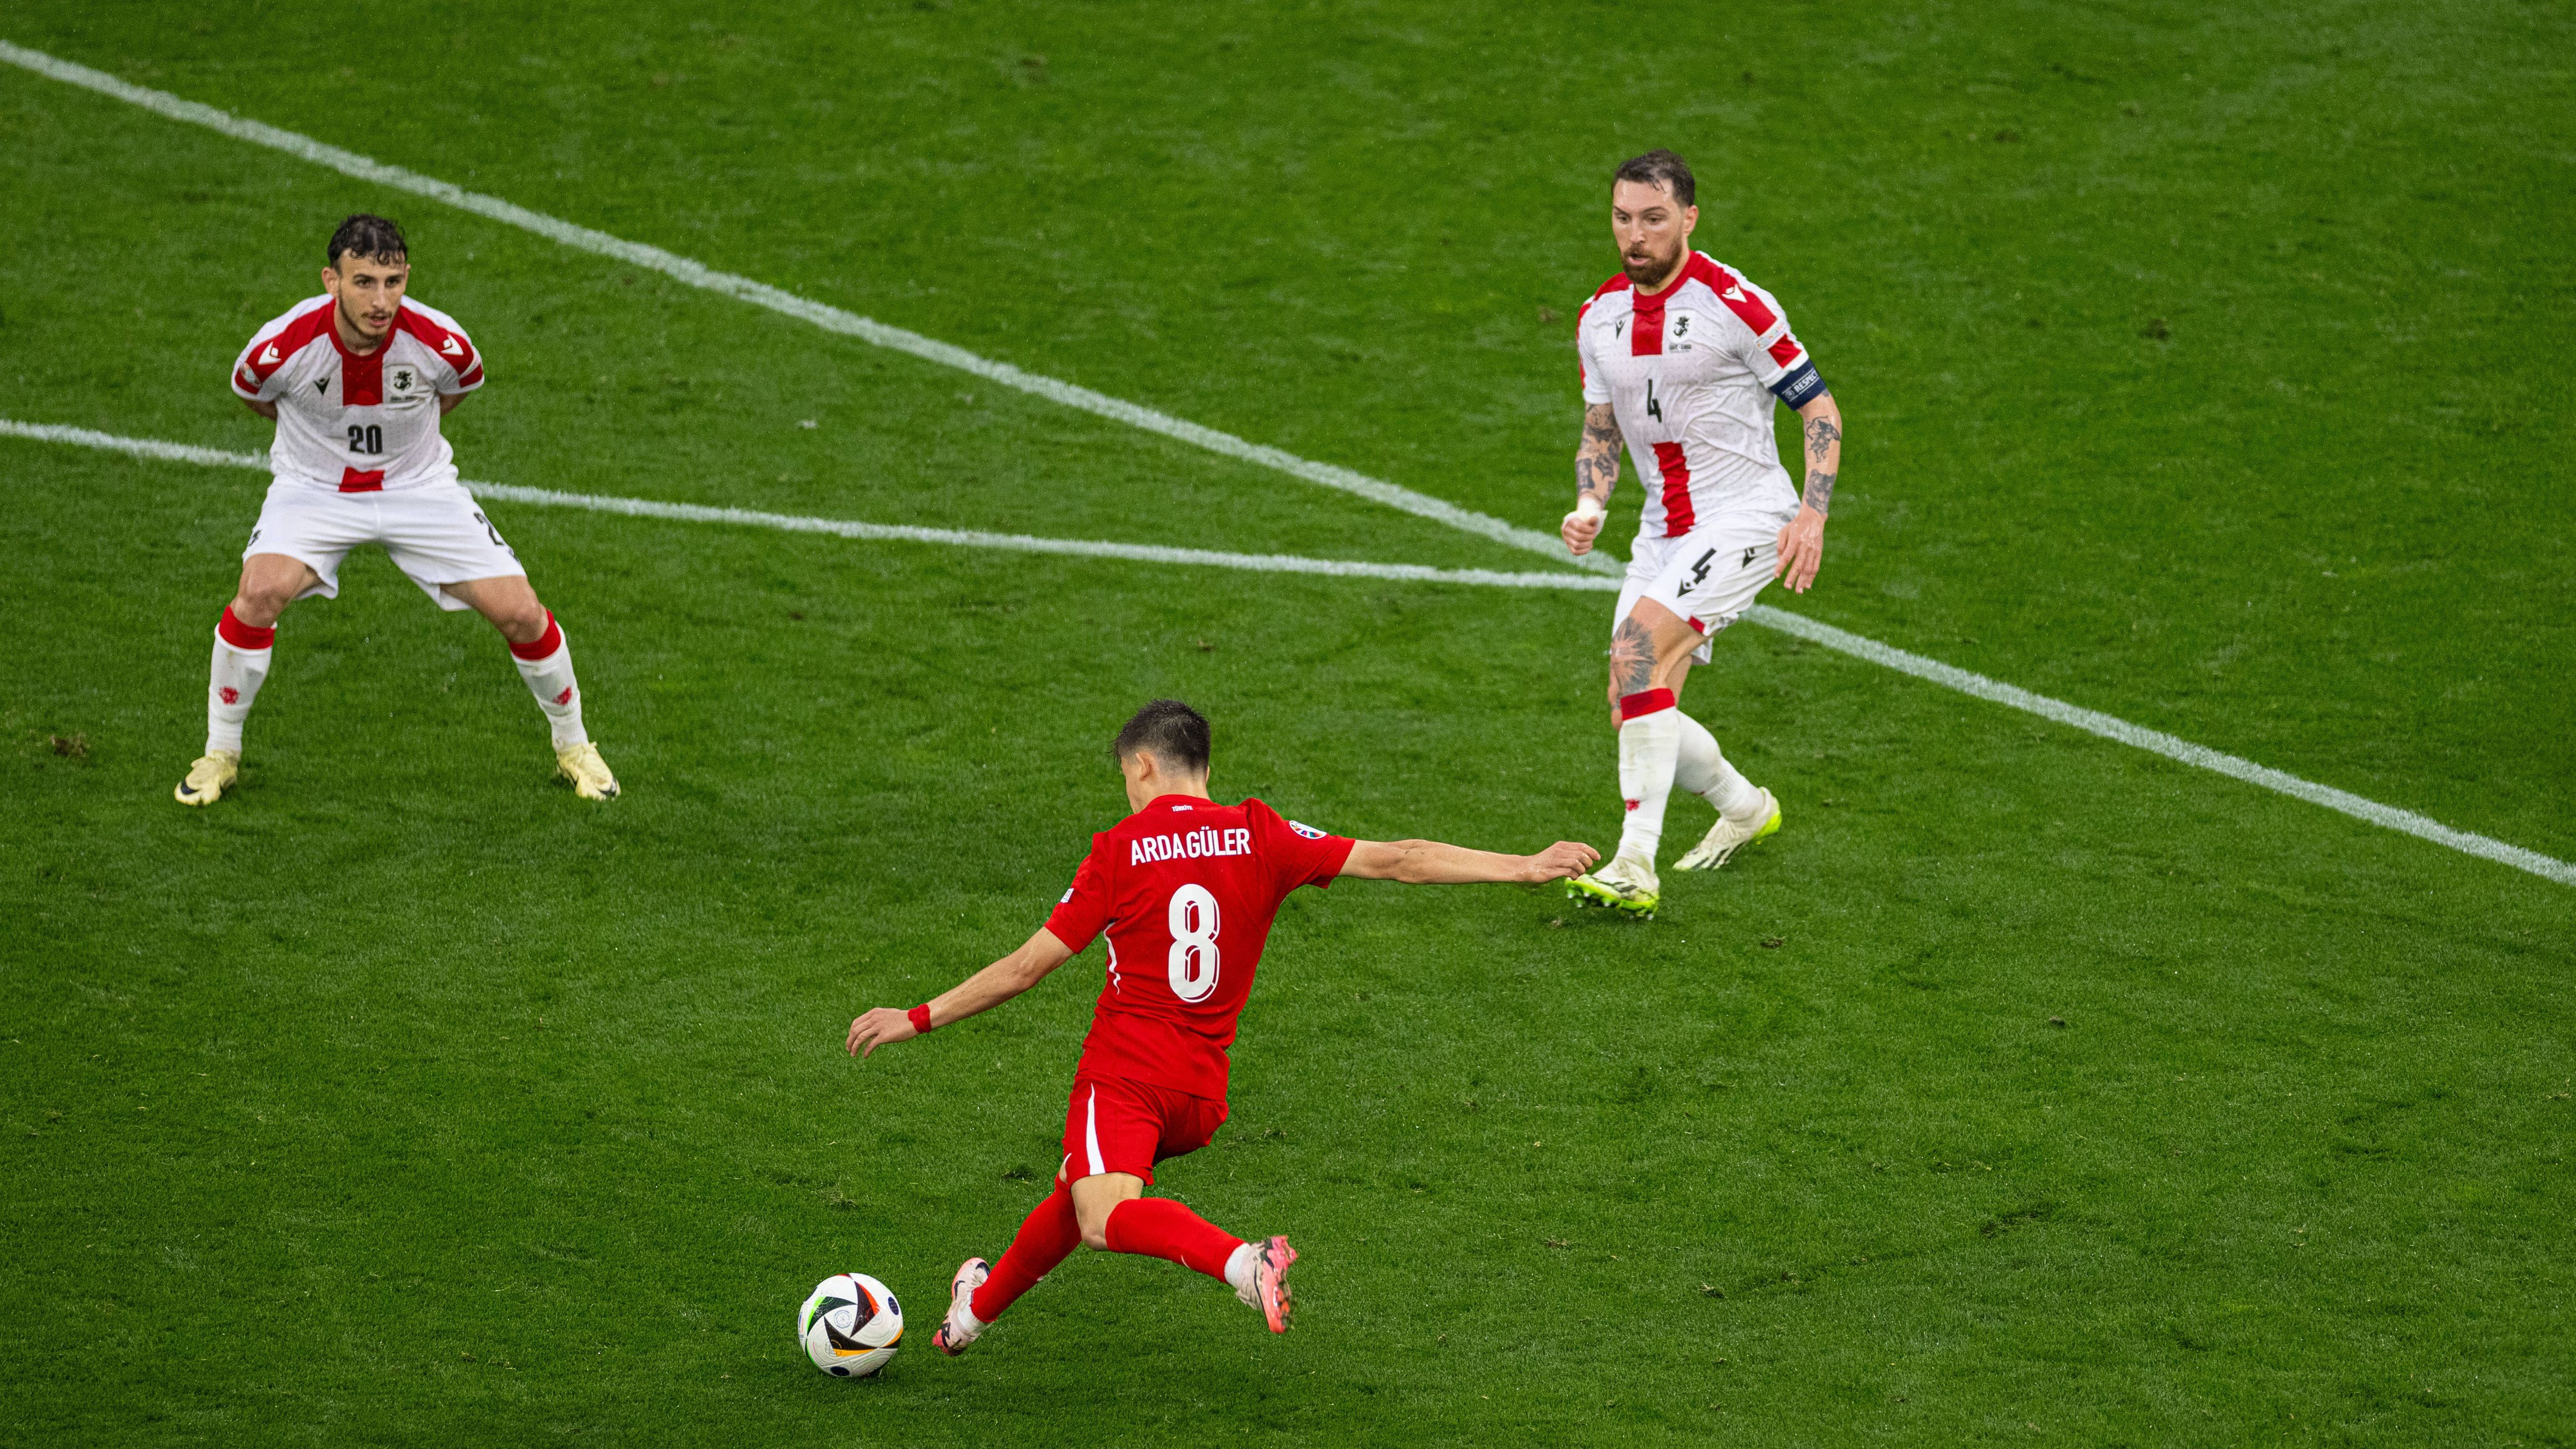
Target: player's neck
{"x":1680,"y":264}
{"x":351,"y":340}
{"x":1155,"y":787}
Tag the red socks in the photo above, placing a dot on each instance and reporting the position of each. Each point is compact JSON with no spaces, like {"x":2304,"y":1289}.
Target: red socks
{"x":1154,"y":1226}
{"x":1161,"y":1228}
{"x":1049,"y":1234}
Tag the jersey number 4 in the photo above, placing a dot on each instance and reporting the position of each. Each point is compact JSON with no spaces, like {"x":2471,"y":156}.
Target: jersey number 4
{"x":1193,"y":962}
{"x":1654,"y":409}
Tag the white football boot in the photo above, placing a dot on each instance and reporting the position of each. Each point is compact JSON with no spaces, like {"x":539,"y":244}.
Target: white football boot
{"x":1626,"y":884}
{"x":954,"y":1330}
{"x":1728,"y":836}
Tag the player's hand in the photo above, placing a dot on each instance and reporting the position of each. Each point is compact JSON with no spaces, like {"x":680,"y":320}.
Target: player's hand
{"x":879,"y":1027}
{"x":1580,"y":528}
{"x":1558,"y":861}
{"x":1802,"y":548}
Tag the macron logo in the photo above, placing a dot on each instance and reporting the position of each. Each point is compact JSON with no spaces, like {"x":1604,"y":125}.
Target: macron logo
{"x":269,"y":358}
{"x":1733,"y":294}
{"x":1196,"y":844}
{"x":449,"y":347}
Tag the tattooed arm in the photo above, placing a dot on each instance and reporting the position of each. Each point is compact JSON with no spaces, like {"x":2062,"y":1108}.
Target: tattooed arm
{"x":1596,"y":472}
{"x":1802,"y":543}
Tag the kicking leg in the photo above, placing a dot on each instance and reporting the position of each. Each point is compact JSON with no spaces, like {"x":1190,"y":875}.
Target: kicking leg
{"x":980,"y":1291}
{"x":244,"y":637}
{"x":544,"y":657}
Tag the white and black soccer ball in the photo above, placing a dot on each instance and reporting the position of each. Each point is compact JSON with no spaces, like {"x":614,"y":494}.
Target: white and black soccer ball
{"x":850,"y":1325}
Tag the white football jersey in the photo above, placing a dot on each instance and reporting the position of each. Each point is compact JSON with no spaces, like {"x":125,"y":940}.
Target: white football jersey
{"x":355,"y":423}
{"x":1691,"y":373}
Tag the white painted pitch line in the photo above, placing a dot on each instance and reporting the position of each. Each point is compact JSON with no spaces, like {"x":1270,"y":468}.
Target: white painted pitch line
{"x":2172,"y":748}
{"x":834,"y":319}
{"x":2091,"y":721}
{"x":823,"y":315}
{"x":1267,"y":563}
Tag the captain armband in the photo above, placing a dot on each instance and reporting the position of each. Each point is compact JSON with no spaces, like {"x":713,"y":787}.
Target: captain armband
{"x":1801,"y":385}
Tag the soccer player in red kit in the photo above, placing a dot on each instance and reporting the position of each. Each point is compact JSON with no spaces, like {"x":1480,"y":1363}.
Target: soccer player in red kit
{"x":1185,"y":888}
{"x":357,"y":380}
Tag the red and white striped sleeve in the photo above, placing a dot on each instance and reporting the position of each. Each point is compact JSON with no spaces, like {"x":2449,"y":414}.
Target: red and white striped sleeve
{"x":461,"y":366}
{"x":257,"y":367}
{"x":1768,"y":347}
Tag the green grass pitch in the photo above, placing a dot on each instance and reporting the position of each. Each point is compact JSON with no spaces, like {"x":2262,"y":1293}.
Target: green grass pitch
{"x":2206,"y":366}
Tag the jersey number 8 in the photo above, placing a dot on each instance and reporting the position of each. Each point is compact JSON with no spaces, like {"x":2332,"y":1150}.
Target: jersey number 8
{"x":1193,"y":960}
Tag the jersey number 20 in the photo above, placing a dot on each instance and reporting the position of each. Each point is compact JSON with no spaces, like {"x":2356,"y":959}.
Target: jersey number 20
{"x":1193,"y":960}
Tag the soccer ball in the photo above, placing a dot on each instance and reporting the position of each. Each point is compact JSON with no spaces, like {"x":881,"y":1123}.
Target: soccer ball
{"x":850,"y":1325}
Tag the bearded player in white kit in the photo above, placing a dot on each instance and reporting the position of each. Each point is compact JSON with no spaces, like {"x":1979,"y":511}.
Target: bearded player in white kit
{"x":356,"y":381}
{"x":1682,"y":360}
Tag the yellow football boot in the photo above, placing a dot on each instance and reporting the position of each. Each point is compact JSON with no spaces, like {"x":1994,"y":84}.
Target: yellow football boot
{"x":1626,"y":884}
{"x":582,"y":765}
{"x":208,"y":779}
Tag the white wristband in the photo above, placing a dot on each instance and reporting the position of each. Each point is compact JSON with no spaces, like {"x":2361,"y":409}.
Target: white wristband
{"x":1588,"y":507}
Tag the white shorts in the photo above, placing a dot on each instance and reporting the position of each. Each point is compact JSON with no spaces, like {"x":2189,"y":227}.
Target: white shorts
{"x":435,"y":532}
{"x":1708,"y":576}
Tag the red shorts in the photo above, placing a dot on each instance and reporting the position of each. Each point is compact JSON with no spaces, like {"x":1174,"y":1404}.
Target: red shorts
{"x":1119,"y":1125}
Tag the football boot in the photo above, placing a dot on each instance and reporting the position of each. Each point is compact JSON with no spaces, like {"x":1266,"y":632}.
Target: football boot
{"x":1727,"y":837}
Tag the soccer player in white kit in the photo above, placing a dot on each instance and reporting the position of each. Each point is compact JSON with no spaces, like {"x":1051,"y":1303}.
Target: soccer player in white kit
{"x":356,"y":381}
{"x":1682,"y":360}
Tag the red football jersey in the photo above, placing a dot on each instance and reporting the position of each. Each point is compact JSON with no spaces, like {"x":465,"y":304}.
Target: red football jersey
{"x":1186,"y":889}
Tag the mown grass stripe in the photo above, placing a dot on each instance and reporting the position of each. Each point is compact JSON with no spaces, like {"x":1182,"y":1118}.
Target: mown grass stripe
{"x":823,"y":315}
{"x":1269,"y":563}
{"x":1966,"y":682}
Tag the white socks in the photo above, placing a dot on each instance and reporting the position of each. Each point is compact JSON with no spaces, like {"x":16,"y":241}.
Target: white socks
{"x":547,"y":667}
{"x":1650,"y":740}
{"x":233,"y":679}
{"x":1703,"y":771}
{"x":1238,"y":1272}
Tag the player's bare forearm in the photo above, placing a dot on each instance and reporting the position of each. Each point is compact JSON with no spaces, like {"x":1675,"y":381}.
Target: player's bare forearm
{"x":448,"y":402}
{"x":1824,"y":426}
{"x":267,"y":410}
{"x":1596,"y":460}
{"x":1802,"y":544}
{"x":1596,"y":474}
{"x":983,"y":991}
{"x":1431,"y":862}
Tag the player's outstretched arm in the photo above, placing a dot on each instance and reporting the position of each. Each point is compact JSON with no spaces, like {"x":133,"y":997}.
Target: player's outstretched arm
{"x":983,"y":991}
{"x":1596,"y":472}
{"x":1429,"y":862}
{"x":1802,"y":543}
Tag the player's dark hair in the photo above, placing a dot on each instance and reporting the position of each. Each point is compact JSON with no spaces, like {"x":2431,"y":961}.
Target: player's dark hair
{"x":1660,"y":167}
{"x":369,"y":237}
{"x":1176,"y":733}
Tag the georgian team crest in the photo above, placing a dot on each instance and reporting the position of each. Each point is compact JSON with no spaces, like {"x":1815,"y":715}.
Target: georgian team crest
{"x":403,"y":381}
{"x":1308,"y":831}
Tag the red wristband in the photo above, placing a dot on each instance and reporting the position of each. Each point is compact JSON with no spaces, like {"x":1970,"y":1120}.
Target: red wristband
{"x":919,"y":1016}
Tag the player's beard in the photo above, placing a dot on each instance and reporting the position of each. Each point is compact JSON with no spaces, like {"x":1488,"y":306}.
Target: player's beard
{"x":1653,"y":270}
{"x":357,"y":324}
